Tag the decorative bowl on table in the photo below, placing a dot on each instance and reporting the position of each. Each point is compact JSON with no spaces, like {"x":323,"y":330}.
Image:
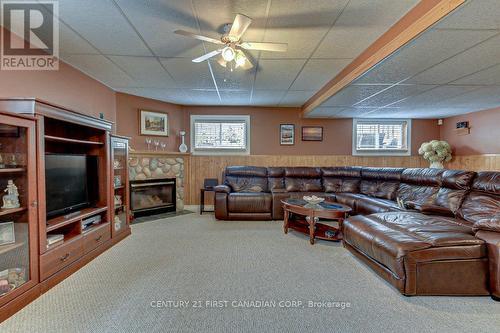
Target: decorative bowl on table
{"x":313,"y":200}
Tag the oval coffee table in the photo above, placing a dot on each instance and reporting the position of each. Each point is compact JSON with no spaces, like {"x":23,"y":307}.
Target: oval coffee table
{"x":304,"y":217}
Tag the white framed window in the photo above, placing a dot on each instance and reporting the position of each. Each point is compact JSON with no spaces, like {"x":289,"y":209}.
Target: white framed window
{"x":381,"y":137}
{"x":220,"y":134}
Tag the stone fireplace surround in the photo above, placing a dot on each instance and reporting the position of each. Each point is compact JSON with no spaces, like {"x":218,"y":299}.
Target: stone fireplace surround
{"x":155,"y":165}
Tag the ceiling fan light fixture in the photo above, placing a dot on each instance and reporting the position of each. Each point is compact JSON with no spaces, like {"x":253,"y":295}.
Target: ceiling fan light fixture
{"x":228,"y":53}
{"x":240,"y":59}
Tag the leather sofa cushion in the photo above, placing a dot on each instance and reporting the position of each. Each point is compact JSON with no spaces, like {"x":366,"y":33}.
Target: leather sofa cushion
{"x":366,"y":205}
{"x":333,"y":185}
{"x":276,"y":172}
{"x":246,"y":184}
{"x":457,"y":179}
{"x":382,"y":174}
{"x":249,"y":202}
{"x":303,"y":172}
{"x":249,"y":171}
{"x":343,"y":172}
{"x":479,"y":206}
{"x":487,"y":182}
{"x":348,"y":199}
{"x":275,"y":183}
{"x":415,"y":196}
{"x":422,"y":176}
{"x":293,"y":184}
{"x":380,"y":189}
{"x":389,"y":237}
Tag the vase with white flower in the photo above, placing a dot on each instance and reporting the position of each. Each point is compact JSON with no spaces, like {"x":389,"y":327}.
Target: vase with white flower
{"x":436,"y":152}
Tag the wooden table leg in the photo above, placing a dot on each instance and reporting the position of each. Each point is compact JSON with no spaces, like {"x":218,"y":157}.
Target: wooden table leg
{"x":285,"y":221}
{"x":312,"y":227}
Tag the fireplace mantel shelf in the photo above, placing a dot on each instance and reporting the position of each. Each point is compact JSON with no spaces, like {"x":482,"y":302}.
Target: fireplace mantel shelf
{"x":153,"y":152}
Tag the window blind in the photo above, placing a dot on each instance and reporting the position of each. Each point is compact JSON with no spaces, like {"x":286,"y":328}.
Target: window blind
{"x":220,"y":134}
{"x":381,"y":135}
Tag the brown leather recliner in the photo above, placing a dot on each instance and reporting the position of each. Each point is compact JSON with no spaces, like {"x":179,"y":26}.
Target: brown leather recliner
{"x":244,"y":195}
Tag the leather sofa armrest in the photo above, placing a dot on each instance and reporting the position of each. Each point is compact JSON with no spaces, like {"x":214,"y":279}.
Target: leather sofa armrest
{"x":222,"y":189}
{"x":492,"y":240}
{"x":221,"y":209}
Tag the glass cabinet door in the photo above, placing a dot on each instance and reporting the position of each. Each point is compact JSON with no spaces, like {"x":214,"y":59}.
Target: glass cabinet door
{"x":119,"y":147}
{"x":18,"y":216}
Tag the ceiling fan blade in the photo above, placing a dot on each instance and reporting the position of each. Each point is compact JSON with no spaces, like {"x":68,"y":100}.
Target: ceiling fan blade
{"x":207,"y":56}
{"x":240,"y":25}
{"x":274,"y":47}
{"x":199,"y":37}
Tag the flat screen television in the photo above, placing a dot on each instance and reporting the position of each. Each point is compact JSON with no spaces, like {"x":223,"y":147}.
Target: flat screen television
{"x":70,"y":183}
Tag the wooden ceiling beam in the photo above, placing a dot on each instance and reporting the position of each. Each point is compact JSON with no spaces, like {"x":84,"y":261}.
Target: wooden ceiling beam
{"x":416,"y":21}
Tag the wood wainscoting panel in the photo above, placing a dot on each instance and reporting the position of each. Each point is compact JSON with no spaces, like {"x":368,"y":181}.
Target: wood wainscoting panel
{"x":200,"y":167}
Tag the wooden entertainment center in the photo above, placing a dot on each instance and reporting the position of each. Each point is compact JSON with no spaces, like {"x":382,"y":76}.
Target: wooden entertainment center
{"x":30,"y":129}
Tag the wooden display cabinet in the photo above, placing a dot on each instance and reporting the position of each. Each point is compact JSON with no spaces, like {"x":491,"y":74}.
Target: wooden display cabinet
{"x":120,"y":215}
{"x":18,"y":221}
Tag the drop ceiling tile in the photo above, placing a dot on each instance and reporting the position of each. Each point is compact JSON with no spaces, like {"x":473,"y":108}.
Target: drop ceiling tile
{"x":187,"y":74}
{"x":480,"y":99}
{"x":352,"y":94}
{"x":324,"y":112}
{"x":475,"y":59}
{"x":146,"y":71}
{"x":100,"y":68}
{"x":165,"y":95}
{"x":489,"y":76}
{"x":428,"y":49}
{"x":71,"y":43}
{"x":267,"y":97}
{"x":213,"y":15}
{"x":474,"y":14}
{"x":434,"y":96}
{"x":301,"y":24}
{"x":317,"y":72}
{"x":238,"y":79}
{"x":394,"y":94}
{"x":277,"y":74}
{"x":198,"y":97}
{"x":156,"y":21}
{"x":296,"y":97}
{"x":235,"y":97}
{"x":102,"y":24}
{"x":360,"y":24}
{"x":353,"y":112}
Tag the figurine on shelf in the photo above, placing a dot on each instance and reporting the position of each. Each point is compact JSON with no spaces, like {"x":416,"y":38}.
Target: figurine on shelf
{"x":13,"y":161}
{"x":117,"y":164}
{"x":118,"y":223}
{"x":2,"y":165}
{"x":11,"y":199}
{"x":118,"y":200}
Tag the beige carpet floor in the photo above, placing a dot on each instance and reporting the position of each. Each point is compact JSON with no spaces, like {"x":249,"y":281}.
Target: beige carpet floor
{"x":191,"y":258}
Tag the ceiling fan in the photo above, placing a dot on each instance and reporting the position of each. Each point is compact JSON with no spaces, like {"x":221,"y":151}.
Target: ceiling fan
{"x":232,"y":49}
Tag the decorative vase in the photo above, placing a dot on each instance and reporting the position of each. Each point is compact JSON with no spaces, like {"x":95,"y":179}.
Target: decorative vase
{"x":183,"y":147}
{"x":437,"y":165}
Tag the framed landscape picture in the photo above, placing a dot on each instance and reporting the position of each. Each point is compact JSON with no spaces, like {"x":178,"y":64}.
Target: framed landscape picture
{"x":287,"y":134}
{"x":153,"y":123}
{"x":312,"y":133}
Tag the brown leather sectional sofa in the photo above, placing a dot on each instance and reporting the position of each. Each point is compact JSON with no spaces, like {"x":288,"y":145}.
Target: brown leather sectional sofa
{"x":446,"y":241}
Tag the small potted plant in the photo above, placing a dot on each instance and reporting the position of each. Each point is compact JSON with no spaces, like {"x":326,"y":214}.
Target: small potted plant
{"x":436,"y":152}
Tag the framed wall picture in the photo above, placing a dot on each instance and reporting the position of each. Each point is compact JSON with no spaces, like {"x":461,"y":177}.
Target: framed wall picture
{"x":153,"y":123}
{"x":7,"y":234}
{"x":287,"y":134}
{"x":312,"y":133}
